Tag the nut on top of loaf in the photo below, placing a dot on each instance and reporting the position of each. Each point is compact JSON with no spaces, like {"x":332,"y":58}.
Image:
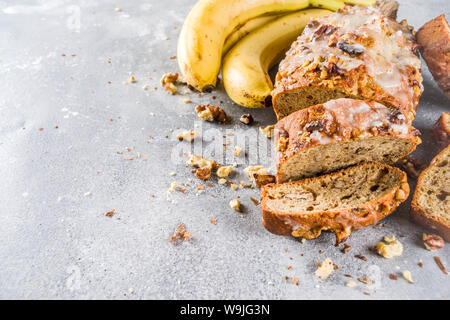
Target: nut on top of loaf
{"x":359,"y":52}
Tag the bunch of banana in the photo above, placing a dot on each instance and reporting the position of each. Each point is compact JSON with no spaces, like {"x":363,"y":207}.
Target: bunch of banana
{"x":213,"y":27}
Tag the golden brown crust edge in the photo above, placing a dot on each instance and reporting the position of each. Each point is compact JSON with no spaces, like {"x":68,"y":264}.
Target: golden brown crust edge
{"x":341,"y":222}
{"x":419,"y":215}
{"x":441,"y":130}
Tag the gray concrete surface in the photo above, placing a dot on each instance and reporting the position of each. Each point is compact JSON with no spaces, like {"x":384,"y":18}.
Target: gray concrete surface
{"x":58,"y":183}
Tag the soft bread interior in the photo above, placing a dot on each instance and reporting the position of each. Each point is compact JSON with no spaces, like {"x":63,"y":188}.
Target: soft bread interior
{"x":294,"y":100}
{"x":434,"y":189}
{"x":348,"y":188}
{"x":331,"y":157}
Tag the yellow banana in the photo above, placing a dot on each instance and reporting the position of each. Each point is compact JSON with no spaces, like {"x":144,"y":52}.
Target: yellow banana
{"x":361,"y":2}
{"x":244,"y":29}
{"x":328,"y":4}
{"x":206,"y":27}
{"x":245,"y":66}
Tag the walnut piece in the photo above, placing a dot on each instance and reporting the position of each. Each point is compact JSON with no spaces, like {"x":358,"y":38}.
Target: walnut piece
{"x":209,"y":112}
{"x":407,"y":275}
{"x":224,"y":171}
{"x":200,"y":162}
{"x":259,"y":175}
{"x":203,"y":173}
{"x":235,"y":204}
{"x":325,"y":269}
{"x":390,"y":248}
{"x":180,"y":233}
{"x":246,"y":119}
{"x":263,"y":179}
{"x":432,"y":241}
{"x":237,"y":151}
{"x":168,"y":80}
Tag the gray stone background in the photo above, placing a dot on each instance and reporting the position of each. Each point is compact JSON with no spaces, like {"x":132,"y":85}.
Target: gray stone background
{"x":58,"y":183}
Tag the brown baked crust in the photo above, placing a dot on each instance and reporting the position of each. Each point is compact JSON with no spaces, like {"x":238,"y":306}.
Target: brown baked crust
{"x":441,"y":129}
{"x":342,"y":222}
{"x":434,"y":40}
{"x":316,"y":60}
{"x":419,"y":214}
{"x":338,"y":121}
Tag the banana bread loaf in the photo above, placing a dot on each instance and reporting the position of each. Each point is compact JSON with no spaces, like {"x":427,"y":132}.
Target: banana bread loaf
{"x":340,"y":133}
{"x":356,"y":52}
{"x":434,"y":40}
{"x":342,"y":201}
{"x":441,"y":129}
{"x":430,"y":206}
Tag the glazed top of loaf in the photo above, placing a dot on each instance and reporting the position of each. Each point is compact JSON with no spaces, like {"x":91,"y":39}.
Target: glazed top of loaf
{"x":338,"y":120}
{"x":361,"y":39}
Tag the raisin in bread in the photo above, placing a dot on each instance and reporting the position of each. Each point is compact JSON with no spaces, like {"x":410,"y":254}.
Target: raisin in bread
{"x":441,"y":129}
{"x":434,"y":40}
{"x":342,"y":201}
{"x":340,"y":133}
{"x":356,"y":52}
{"x":431,"y":202}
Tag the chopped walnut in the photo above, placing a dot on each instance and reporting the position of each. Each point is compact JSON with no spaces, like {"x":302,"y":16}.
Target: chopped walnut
{"x":246,"y":119}
{"x":365,"y":280}
{"x":168,"y":80}
{"x":224,"y":171}
{"x":432,"y":241}
{"x":234,"y":186}
{"x":407,"y":275}
{"x":267,"y":131}
{"x":412,"y":166}
{"x":351,"y":284}
{"x":200,"y":162}
{"x":391,"y":248}
{"x":210,"y":113}
{"x":132,"y":79}
{"x":235,"y":204}
{"x":237,"y":151}
{"x":203,"y":173}
{"x":282,"y":143}
{"x":325,"y":269}
{"x":188,"y":135}
{"x":180,"y":233}
{"x":222,"y":181}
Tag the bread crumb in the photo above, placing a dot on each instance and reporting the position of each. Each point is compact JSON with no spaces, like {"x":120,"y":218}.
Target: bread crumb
{"x":224,"y":171}
{"x":180,"y":233}
{"x":213,"y":221}
{"x":235,"y":204}
{"x":131,"y":80}
{"x":325,"y":269}
{"x":237,"y":151}
{"x":201,"y":162}
{"x":234,"y":186}
{"x":173,"y":186}
{"x":407,"y":275}
{"x":392,"y":248}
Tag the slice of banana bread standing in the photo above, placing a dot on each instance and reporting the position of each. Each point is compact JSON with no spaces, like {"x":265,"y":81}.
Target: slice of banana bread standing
{"x":430,"y":206}
{"x":340,"y":133}
{"x":441,"y":129}
{"x":342,"y":201}
{"x":356,"y":52}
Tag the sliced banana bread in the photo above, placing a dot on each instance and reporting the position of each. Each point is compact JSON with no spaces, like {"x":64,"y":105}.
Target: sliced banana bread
{"x":340,"y":133}
{"x":350,"y":199}
{"x":441,"y":129}
{"x":431,"y":202}
{"x":356,"y":52}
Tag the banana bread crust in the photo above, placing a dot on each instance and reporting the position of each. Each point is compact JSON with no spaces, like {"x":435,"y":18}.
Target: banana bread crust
{"x":342,"y":222}
{"x":441,"y":129}
{"x":356,"y":52}
{"x":338,"y":121}
{"x":419,"y":214}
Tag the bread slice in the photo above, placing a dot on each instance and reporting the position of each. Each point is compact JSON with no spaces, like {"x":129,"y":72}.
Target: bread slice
{"x":430,"y":206}
{"x":441,"y":129}
{"x":357,"y":53}
{"x":342,"y":201}
{"x":337,"y":134}
{"x":434,"y":40}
